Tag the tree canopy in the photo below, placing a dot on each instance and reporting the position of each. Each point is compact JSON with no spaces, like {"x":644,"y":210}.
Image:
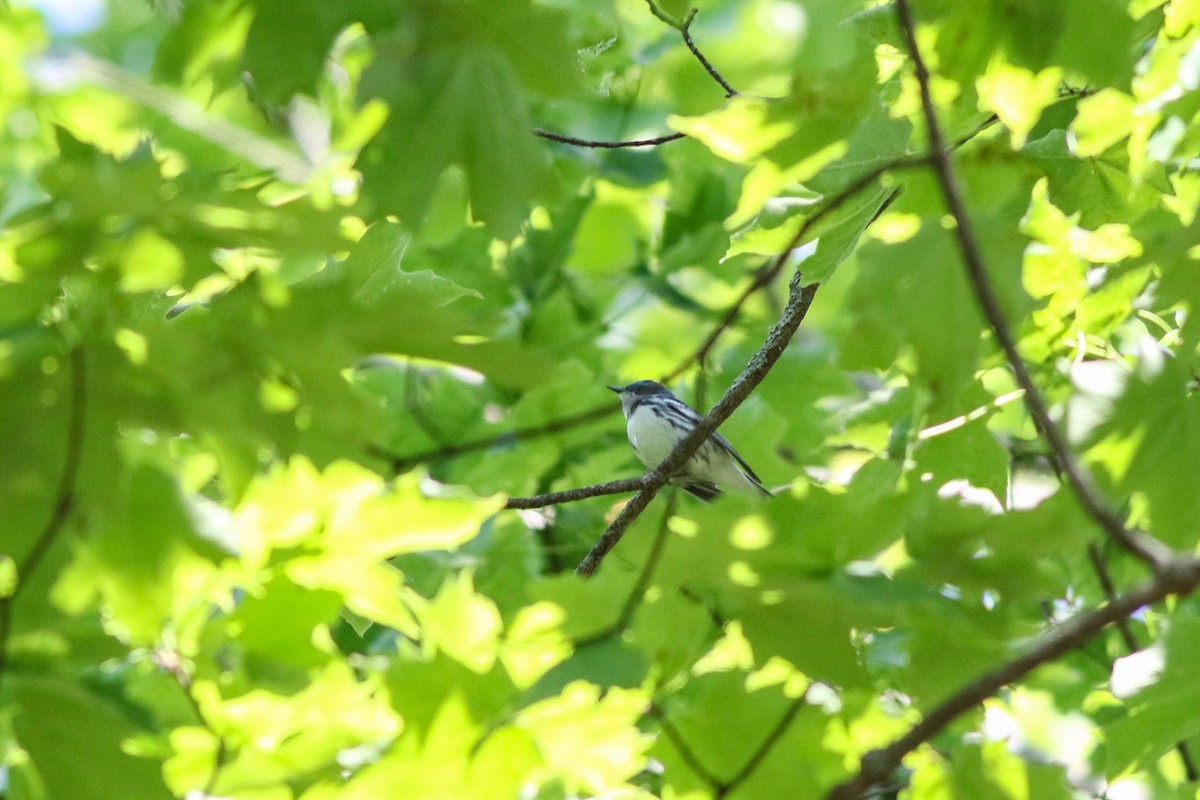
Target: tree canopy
{"x":311,"y":487}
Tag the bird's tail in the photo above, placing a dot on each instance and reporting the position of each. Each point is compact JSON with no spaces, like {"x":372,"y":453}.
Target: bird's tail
{"x":705,"y":490}
{"x":764,"y":491}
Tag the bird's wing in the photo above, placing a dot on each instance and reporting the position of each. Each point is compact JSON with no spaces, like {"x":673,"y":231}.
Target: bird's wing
{"x":694,"y":418}
{"x":724,"y":443}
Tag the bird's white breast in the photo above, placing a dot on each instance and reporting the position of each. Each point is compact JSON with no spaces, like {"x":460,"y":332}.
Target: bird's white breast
{"x":652,"y":439}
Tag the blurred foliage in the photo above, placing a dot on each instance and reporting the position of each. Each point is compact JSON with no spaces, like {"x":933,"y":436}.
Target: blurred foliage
{"x":256,"y":254}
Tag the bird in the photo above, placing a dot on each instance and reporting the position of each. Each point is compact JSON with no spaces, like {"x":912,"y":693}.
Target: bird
{"x":657,"y":420}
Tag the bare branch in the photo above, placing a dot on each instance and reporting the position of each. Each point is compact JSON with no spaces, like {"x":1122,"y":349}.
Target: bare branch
{"x":800,"y":298}
{"x":1146,"y":548}
{"x":607,"y":145}
{"x":686,"y":31}
{"x":64,"y":498}
{"x":571,"y":495}
{"x":1175,"y":577}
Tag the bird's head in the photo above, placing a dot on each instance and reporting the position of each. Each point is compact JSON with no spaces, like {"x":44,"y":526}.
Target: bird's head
{"x":637,"y":391}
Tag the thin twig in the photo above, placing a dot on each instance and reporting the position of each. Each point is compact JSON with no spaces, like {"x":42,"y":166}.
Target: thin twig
{"x":1149,"y":550}
{"x":714,"y":615}
{"x":1110,"y":594}
{"x":1179,"y":576}
{"x":64,"y":498}
{"x":1100,"y":567}
{"x":571,"y":495}
{"x":638,"y":593}
{"x":799,"y":300}
{"x":686,"y":31}
{"x":983,"y":126}
{"x":662,"y":15}
{"x":601,"y":144}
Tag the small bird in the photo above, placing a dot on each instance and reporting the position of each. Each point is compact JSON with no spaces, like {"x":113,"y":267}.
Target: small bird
{"x":657,"y":420}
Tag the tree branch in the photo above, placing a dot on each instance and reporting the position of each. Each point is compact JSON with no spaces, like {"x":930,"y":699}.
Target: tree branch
{"x":607,"y":145}
{"x":1146,"y":548}
{"x":63,"y":503}
{"x":800,"y":298}
{"x":762,"y":278}
{"x":1175,"y":577}
{"x":571,"y":495}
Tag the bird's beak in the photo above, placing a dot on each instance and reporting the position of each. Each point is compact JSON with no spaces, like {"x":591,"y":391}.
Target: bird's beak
{"x":617,"y":389}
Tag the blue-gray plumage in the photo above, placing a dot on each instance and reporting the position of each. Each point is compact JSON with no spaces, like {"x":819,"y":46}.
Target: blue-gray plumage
{"x":657,"y":420}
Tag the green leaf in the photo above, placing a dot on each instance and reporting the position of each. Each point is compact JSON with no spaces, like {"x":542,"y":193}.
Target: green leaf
{"x":458,"y":100}
{"x":464,"y":625}
{"x":376,"y":270}
{"x":1017,"y":96}
{"x":1158,"y":715}
{"x":285,"y":59}
{"x":1104,"y":119}
{"x":137,"y":560}
{"x":1158,"y":415}
{"x":914,"y":296}
{"x":592,"y":741}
